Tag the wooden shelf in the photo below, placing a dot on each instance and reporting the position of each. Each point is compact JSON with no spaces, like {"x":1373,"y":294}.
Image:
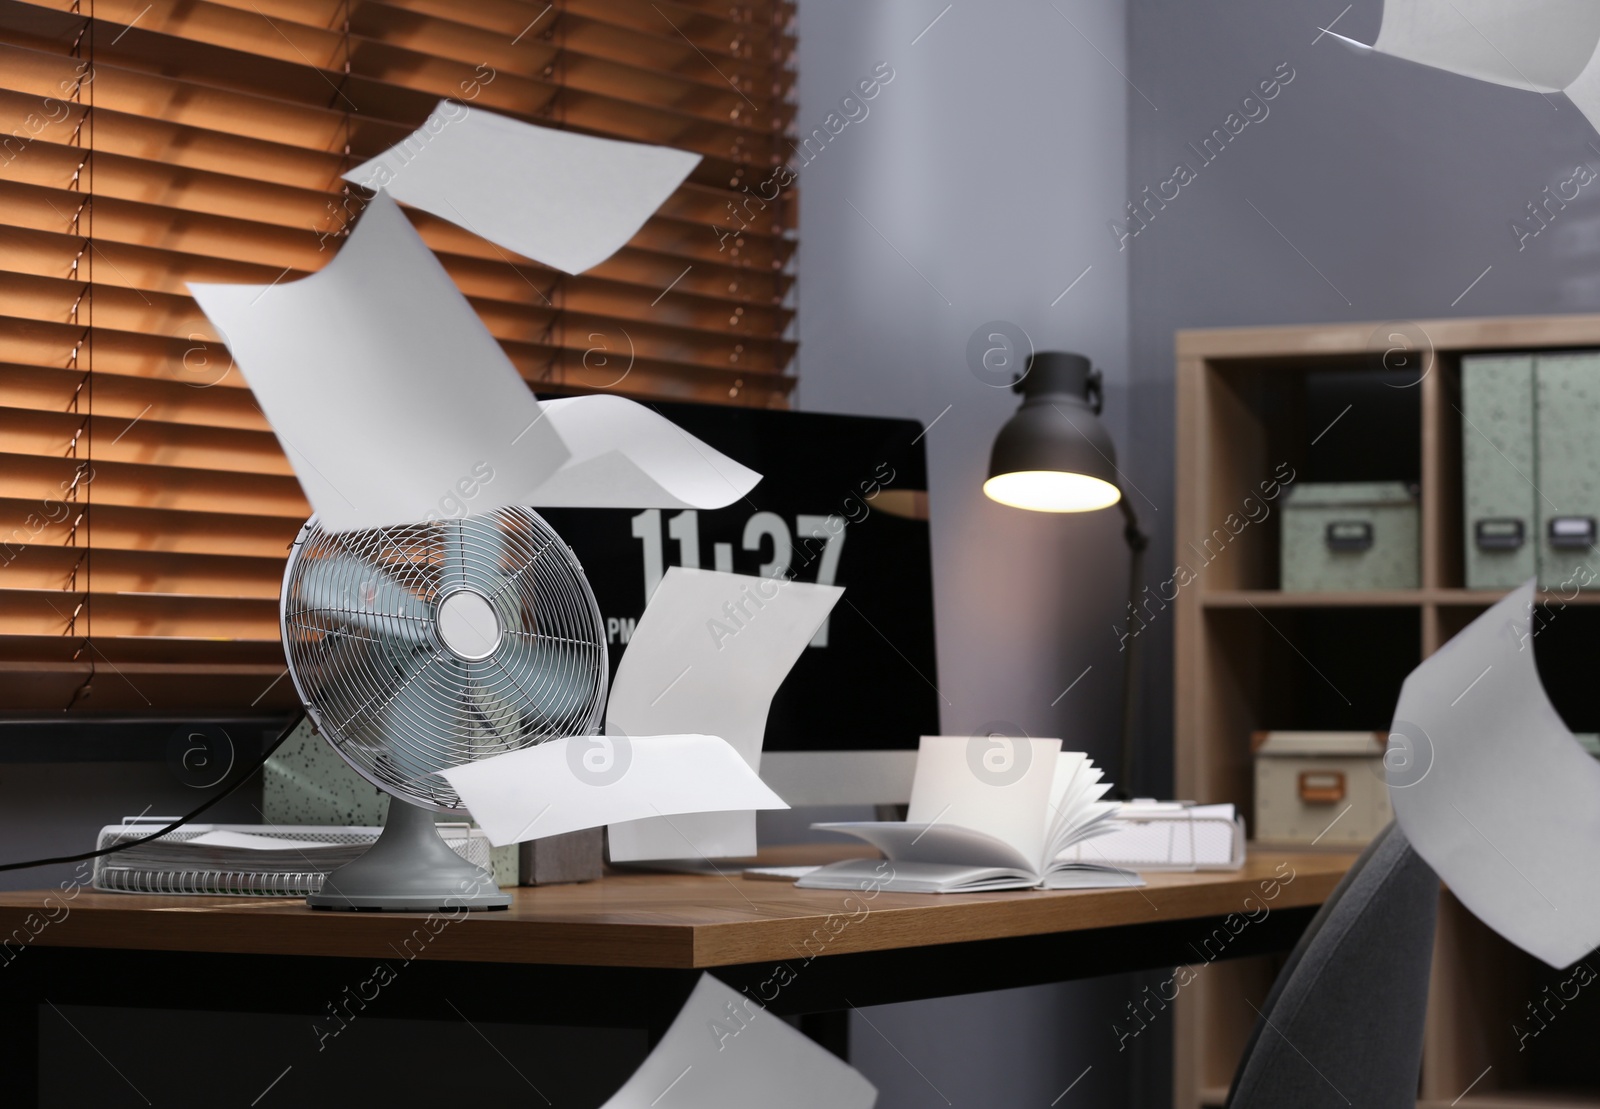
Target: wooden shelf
{"x":1379,"y":598}
{"x":1516,"y":1099}
{"x":1275,"y":598}
{"x":1250,"y":405}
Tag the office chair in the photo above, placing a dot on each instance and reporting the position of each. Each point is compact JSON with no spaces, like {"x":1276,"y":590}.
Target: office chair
{"x":1342,"y":1026}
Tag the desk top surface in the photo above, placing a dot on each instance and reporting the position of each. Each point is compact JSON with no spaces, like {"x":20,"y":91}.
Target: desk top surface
{"x":660,"y":920}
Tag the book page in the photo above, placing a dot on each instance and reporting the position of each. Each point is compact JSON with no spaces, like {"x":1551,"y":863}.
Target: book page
{"x":1080,"y":812}
{"x":998,"y":785}
{"x":934,"y":843}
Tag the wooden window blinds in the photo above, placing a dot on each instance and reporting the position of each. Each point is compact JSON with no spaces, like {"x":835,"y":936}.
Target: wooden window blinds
{"x":145,"y":507}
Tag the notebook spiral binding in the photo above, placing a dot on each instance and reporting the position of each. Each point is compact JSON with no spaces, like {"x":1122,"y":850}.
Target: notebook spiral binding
{"x":216,"y":883}
{"x":134,"y":871}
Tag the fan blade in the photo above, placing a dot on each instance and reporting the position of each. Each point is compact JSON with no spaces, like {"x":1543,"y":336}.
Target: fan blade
{"x":343,"y":589}
{"x":423,"y":728}
{"x":552,"y":682}
{"x":473,"y":557}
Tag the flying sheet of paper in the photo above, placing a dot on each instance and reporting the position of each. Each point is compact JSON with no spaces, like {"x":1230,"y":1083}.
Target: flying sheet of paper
{"x":586,"y":781}
{"x":707,"y":656}
{"x":998,"y":785}
{"x":1493,"y":790}
{"x":725,"y":1051}
{"x":624,"y":455}
{"x":567,"y":200}
{"x":392,"y":401}
{"x":1545,"y":46}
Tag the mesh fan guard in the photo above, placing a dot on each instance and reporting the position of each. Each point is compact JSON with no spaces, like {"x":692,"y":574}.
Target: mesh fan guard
{"x":388,"y":688}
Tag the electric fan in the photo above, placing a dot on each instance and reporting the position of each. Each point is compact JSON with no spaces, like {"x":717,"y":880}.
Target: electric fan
{"x":426,"y":646}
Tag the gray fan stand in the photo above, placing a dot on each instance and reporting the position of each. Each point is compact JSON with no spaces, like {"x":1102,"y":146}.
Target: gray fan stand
{"x":409,"y":869}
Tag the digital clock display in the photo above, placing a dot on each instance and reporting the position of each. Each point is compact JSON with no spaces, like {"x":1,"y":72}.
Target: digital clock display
{"x":842,"y":501}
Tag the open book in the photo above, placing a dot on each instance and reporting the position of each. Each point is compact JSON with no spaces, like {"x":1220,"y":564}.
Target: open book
{"x":987,"y":813}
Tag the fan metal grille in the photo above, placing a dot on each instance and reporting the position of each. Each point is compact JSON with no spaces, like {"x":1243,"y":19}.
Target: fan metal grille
{"x":385,"y":687}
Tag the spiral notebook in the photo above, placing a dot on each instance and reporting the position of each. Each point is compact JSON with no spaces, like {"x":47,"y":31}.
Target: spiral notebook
{"x":244,"y":860}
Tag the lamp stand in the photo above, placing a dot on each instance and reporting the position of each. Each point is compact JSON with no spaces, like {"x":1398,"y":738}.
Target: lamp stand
{"x":1137,"y":541}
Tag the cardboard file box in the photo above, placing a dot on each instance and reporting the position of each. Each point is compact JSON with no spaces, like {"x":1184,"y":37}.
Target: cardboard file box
{"x":1498,"y":470}
{"x":1567,"y":395}
{"x":1320,"y":787}
{"x":1349,"y":536}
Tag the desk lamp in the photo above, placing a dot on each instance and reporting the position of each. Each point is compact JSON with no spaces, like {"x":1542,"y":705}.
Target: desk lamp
{"x":1055,"y":455}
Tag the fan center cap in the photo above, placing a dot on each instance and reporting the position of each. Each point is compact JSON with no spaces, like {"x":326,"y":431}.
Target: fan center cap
{"x":468,"y":625}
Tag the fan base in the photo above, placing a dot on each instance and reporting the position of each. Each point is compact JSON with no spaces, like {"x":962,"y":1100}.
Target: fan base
{"x":409,"y":869}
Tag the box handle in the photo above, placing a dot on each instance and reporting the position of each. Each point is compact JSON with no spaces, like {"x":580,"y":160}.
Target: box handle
{"x":1322,"y":787}
{"x":1572,"y":533}
{"x":1502,"y":534}
{"x":1349,"y":535}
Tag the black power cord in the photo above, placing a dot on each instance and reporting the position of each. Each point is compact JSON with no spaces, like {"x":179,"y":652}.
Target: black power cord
{"x":178,"y":823}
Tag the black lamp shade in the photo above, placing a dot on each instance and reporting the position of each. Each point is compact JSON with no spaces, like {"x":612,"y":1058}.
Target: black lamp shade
{"x":1055,"y":455}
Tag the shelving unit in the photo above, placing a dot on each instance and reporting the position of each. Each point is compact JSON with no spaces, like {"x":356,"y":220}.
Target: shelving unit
{"x":1247,"y":656}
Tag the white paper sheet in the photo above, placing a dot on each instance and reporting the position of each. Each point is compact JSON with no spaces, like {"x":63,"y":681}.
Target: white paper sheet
{"x":585,"y":781}
{"x":724,"y":1051}
{"x":709,"y":653}
{"x":390,"y":397}
{"x":1541,"y":46}
{"x":996,"y":785}
{"x":570,"y":201}
{"x":1494,"y":792}
{"x":624,"y":455}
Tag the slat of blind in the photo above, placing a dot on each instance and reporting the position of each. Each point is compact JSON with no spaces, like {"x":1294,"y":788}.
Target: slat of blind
{"x":51,"y":389}
{"x":44,"y":568}
{"x":44,"y":519}
{"x":131,"y":485}
{"x":50,"y":612}
{"x":146,"y":441}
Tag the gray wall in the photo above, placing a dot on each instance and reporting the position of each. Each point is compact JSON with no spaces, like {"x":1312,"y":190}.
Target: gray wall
{"x":973,"y":191}
{"x":1397,"y":182}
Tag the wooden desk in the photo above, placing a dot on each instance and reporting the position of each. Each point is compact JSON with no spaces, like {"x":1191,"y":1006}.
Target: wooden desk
{"x":564,"y":954}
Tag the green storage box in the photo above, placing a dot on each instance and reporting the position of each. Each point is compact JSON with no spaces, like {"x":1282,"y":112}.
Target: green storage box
{"x":306,"y":782}
{"x":1567,"y":422}
{"x":1498,"y":465}
{"x":1342,"y":536}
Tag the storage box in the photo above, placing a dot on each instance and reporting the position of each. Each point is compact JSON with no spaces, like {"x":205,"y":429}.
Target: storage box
{"x":1567,"y":393}
{"x":1349,"y":536}
{"x":1499,"y":469}
{"x":1325,"y":788}
{"x":306,"y":782}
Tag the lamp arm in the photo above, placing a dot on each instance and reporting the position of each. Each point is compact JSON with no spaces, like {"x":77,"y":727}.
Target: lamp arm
{"x":1137,"y":541}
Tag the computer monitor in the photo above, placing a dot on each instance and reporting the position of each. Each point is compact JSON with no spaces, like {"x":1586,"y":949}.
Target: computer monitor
{"x":868,"y":681}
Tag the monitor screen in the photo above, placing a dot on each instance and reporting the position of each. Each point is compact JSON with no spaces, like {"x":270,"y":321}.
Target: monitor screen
{"x":842,"y":501}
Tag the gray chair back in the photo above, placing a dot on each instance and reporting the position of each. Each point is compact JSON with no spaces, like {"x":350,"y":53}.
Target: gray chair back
{"x":1342,"y":1026}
